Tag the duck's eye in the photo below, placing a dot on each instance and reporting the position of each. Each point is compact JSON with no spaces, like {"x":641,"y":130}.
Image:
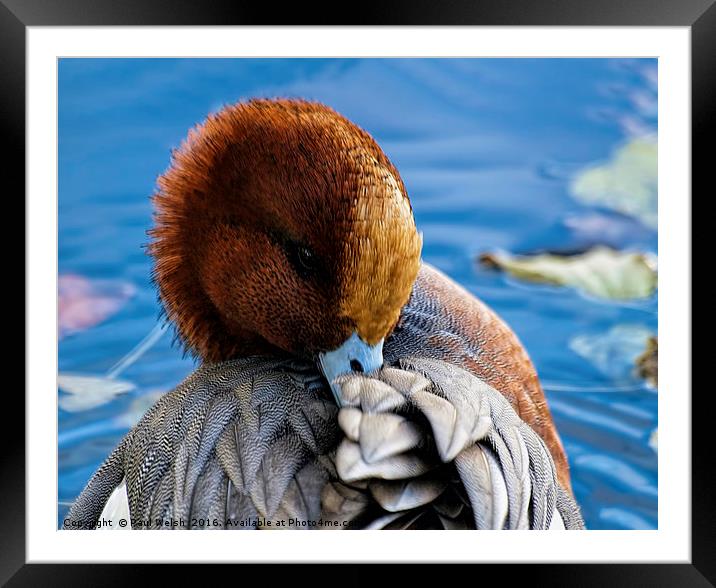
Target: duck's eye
{"x":302,"y":258}
{"x":306,"y":258}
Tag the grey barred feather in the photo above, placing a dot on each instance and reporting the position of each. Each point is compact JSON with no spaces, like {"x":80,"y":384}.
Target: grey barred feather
{"x":385,"y":435}
{"x":352,"y":467}
{"x":406,"y":494}
{"x":423,"y":444}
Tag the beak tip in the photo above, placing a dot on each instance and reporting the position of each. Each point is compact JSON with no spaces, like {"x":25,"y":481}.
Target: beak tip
{"x":353,"y":355}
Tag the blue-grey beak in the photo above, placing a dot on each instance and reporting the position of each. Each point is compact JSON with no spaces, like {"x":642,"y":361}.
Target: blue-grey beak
{"x":353,"y":355}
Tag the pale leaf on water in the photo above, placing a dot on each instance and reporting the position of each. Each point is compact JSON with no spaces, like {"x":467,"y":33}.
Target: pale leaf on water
{"x":82,"y":392}
{"x":601,"y":272}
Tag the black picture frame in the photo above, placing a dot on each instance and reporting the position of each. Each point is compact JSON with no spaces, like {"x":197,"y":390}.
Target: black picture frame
{"x":16,"y":15}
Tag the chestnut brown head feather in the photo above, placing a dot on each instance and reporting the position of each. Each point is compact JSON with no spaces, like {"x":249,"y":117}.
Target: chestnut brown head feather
{"x":281,"y":226}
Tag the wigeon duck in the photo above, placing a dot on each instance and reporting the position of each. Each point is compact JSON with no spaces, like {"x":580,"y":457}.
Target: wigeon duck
{"x":342,"y":380}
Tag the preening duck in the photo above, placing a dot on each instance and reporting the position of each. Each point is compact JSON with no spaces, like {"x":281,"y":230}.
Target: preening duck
{"x":342,"y":380}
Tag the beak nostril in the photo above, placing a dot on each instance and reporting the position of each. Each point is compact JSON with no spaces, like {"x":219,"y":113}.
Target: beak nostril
{"x":356,"y":366}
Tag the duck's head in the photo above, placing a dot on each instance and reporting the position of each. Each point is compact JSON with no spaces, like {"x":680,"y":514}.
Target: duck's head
{"x":281,"y":227}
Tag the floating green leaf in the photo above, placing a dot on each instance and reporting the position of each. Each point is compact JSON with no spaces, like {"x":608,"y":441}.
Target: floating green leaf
{"x":601,"y":271}
{"x":627,"y":182}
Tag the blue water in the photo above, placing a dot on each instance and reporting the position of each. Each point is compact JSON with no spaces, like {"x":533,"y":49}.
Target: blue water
{"x":486,"y":148}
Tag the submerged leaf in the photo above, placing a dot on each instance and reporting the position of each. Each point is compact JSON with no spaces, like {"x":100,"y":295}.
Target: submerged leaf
{"x":85,"y":392}
{"x":139,"y":406}
{"x":612,"y":229}
{"x":600,"y":271}
{"x":83,"y":302}
{"x":615,"y":351}
{"x":626,"y":183}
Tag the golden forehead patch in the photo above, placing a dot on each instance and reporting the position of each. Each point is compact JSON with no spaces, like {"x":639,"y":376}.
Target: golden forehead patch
{"x":382,"y":255}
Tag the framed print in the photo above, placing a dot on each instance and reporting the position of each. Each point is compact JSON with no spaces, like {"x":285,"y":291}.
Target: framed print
{"x":399,"y":275}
